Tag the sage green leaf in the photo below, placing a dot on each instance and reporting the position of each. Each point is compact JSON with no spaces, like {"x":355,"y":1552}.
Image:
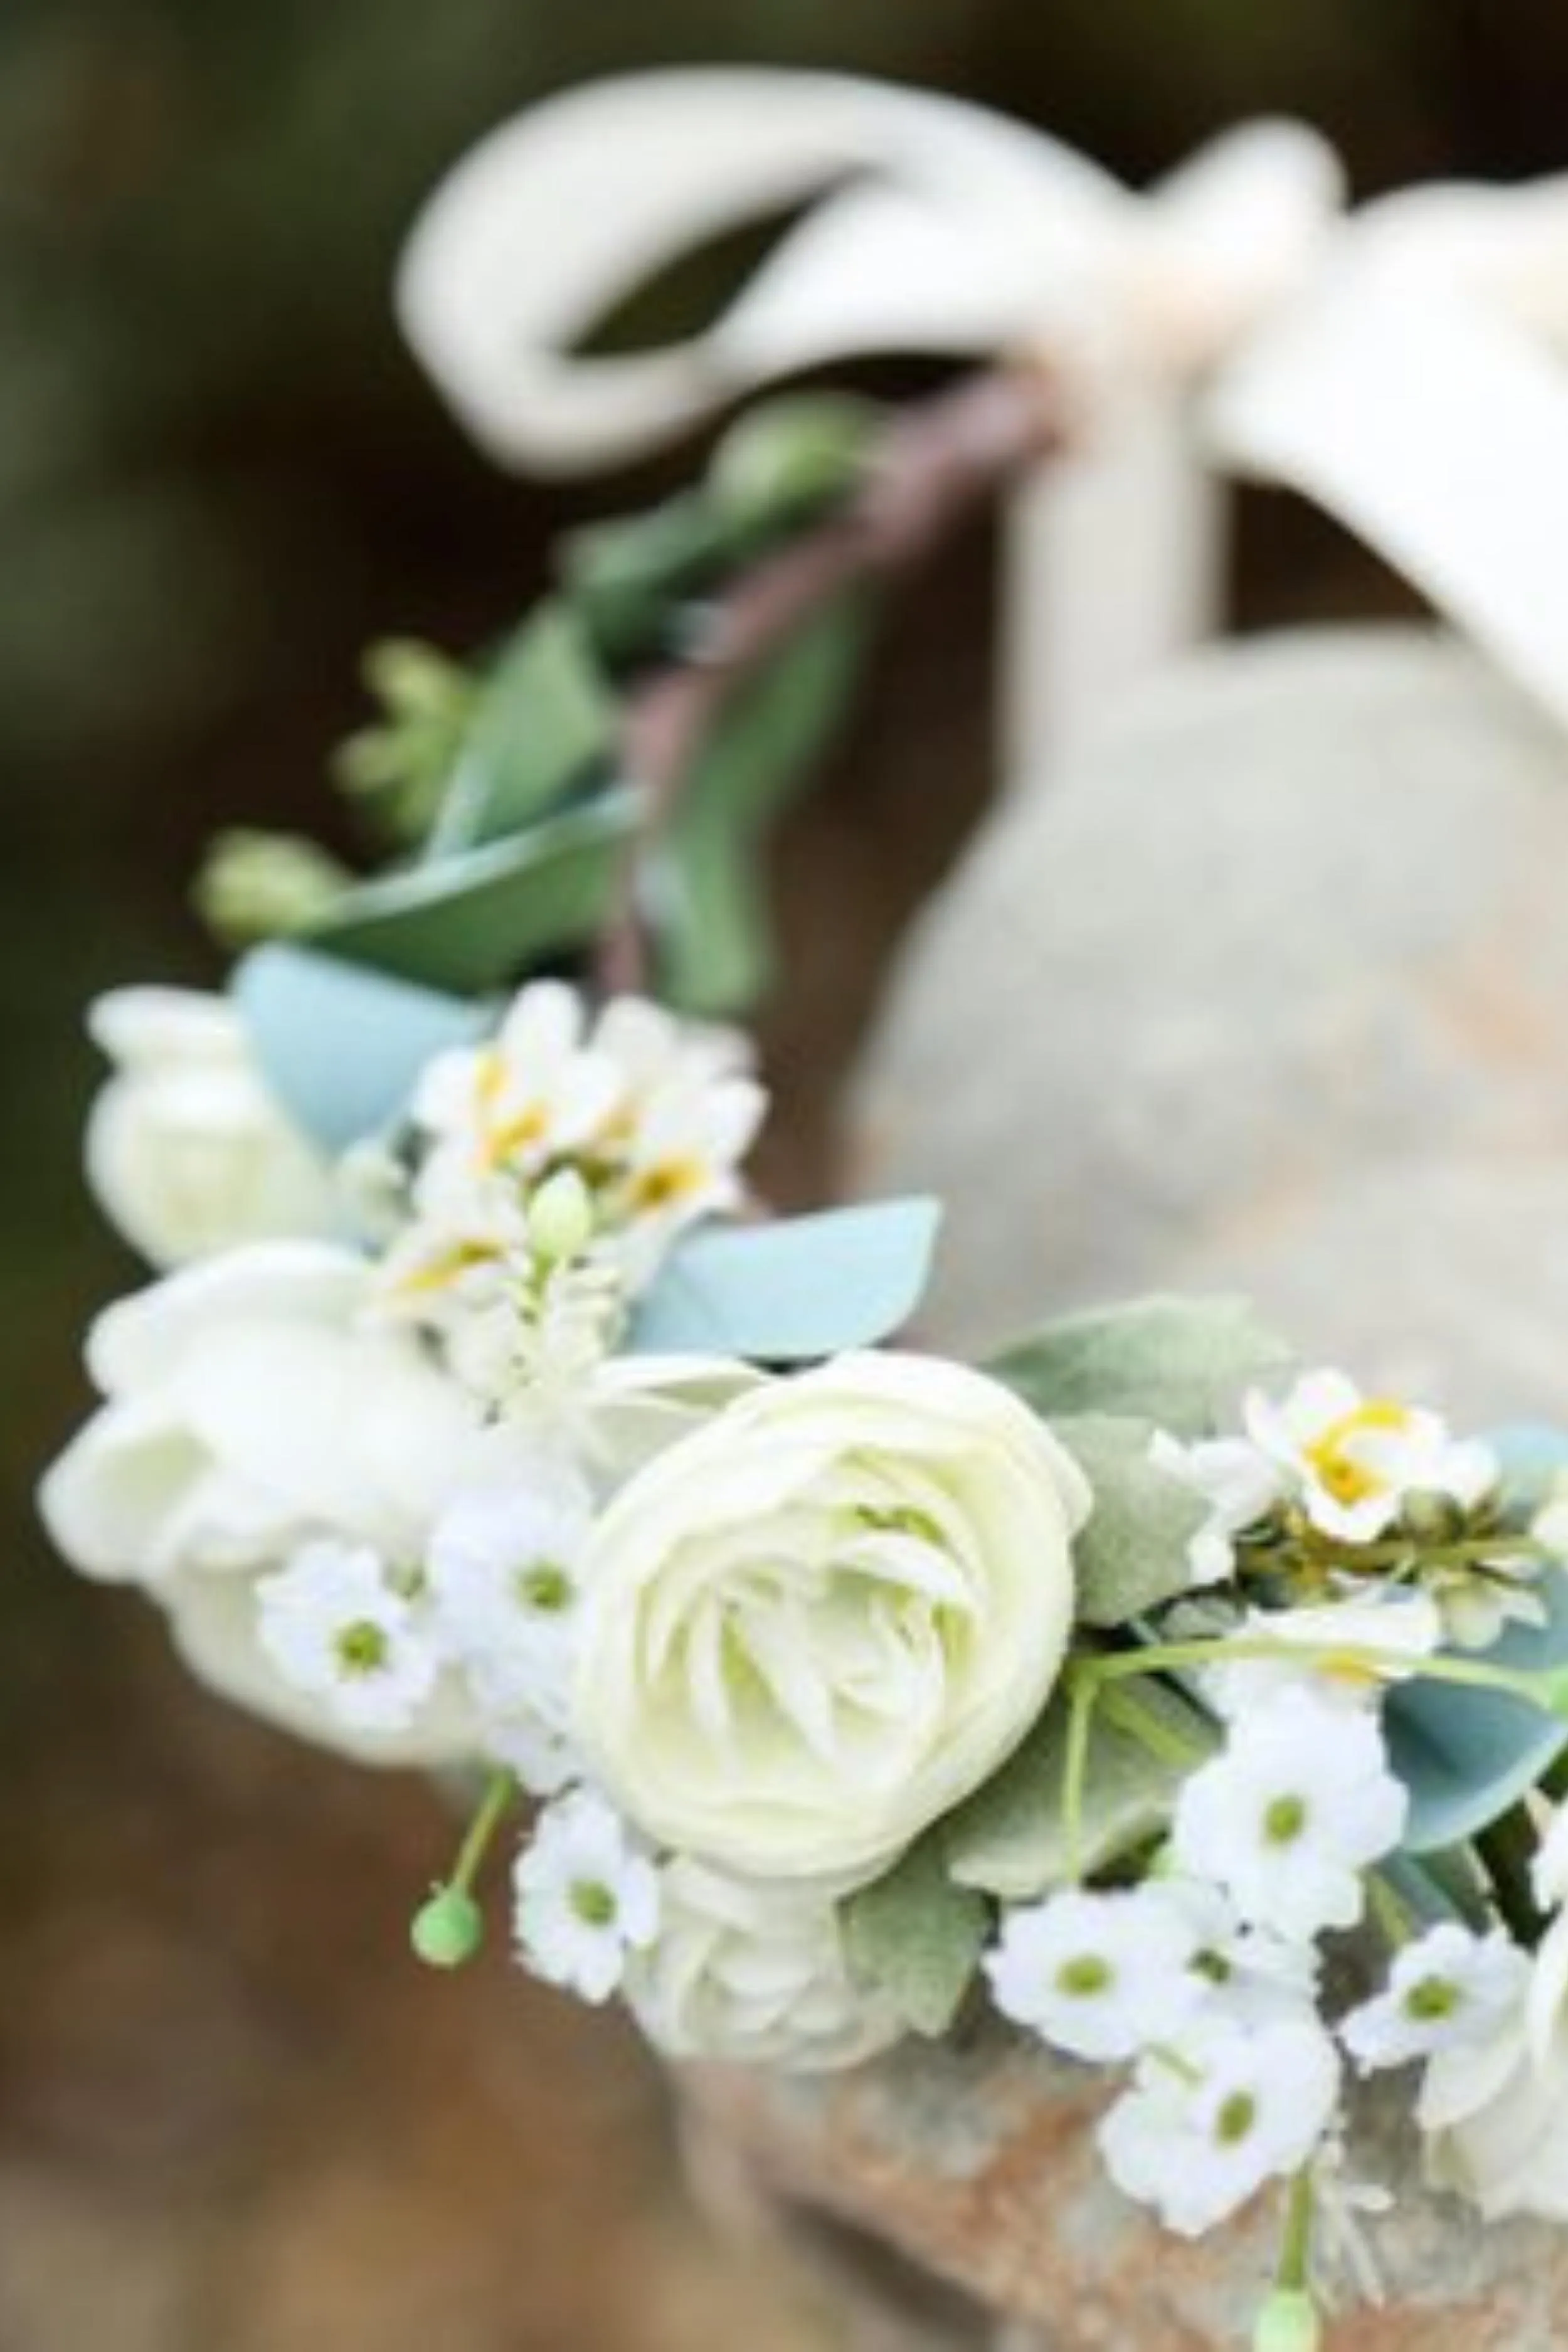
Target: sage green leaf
{"x":1179,"y":1362}
{"x":1011,"y":1839}
{"x":788,"y":460}
{"x":714,"y":935}
{"x":477,"y":920}
{"x":543,"y":721}
{"x":793,"y":1290}
{"x":1469,"y":1756}
{"x":339,"y":1046}
{"x":1132,"y":1553}
{"x":915,"y":1938}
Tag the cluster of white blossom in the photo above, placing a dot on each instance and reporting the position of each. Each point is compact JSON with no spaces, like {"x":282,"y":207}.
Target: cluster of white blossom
{"x":1361,"y":1477}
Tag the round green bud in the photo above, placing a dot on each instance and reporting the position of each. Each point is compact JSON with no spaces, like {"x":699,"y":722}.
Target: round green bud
{"x":1431,"y":1517}
{"x":1288,"y":2322}
{"x":560,"y":1217}
{"x":448,"y":1929}
{"x":262,"y":886}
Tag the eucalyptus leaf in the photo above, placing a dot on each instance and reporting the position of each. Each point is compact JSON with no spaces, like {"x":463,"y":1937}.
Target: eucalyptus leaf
{"x":1468,"y":1755}
{"x":543,"y":719}
{"x":793,"y":1290}
{"x":339,"y":1046}
{"x":1010,"y":1839}
{"x":916,"y":1938}
{"x":476,"y":920}
{"x":1179,"y":1362}
{"x":1132,"y":1553}
{"x":705,"y":898}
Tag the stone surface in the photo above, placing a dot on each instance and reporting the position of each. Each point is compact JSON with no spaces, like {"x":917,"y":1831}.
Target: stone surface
{"x":1270,"y":993}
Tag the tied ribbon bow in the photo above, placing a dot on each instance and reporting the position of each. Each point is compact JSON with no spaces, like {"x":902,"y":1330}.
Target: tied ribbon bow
{"x":1400,"y":365}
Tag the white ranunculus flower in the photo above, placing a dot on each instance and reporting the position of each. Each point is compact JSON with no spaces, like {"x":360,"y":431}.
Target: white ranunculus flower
{"x":187,"y":1153}
{"x":818,"y":1624}
{"x":754,"y":1976}
{"x":247,"y":1408}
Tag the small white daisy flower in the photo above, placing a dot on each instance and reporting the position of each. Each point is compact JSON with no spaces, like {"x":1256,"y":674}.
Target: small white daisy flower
{"x":1204,"y":2126}
{"x":1291,"y":1814}
{"x":1404,"y":1627}
{"x":1353,"y":1460}
{"x":1451,"y":1989}
{"x":537,"y":1091}
{"x":335,"y":1626}
{"x":1250,"y":1976}
{"x":504,"y":1590}
{"x":545,"y":1759}
{"x":587,"y":1897}
{"x":1098,"y":1975}
{"x":1239,"y":1483}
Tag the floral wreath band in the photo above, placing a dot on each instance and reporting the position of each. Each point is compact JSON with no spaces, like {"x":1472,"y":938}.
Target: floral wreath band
{"x":477,"y":1422}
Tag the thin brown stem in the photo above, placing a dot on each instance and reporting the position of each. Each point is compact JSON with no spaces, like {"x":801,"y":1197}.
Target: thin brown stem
{"x":936,"y":463}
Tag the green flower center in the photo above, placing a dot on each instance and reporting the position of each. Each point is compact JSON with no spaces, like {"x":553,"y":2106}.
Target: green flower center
{"x":1431,"y":2001}
{"x":363,"y":1648}
{"x":1235,"y":2119}
{"x":594,"y":1903}
{"x":1284,"y":1820}
{"x":1086,"y":1978}
{"x":544,"y":1588}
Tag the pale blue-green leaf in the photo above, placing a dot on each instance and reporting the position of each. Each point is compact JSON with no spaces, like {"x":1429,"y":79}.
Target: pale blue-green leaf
{"x":705,"y":895}
{"x":543,"y":719}
{"x":1011,"y":1839}
{"x":793,"y":1290}
{"x":1467,"y":1755}
{"x":477,"y":920}
{"x":916,"y":1938}
{"x":1179,"y":1362}
{"x":339,"y":1046}
{"x":1131,"y":1554}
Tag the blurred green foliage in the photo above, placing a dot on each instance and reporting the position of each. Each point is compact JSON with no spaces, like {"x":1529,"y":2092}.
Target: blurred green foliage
{"x":219,"y":474}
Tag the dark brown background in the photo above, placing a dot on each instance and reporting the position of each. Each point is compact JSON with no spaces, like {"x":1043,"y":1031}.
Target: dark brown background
{"x":233,"y":2117}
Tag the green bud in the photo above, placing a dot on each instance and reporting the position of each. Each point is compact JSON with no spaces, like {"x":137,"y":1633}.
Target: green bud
{"x":1288,"y":2322}
{"x":560,"y":1217}
{"x":448,"y":1930}
{"x":789,"y":459}
{"x":1431,"y":1517}
{"x":414,"y":680}
{"x":262,"y":886}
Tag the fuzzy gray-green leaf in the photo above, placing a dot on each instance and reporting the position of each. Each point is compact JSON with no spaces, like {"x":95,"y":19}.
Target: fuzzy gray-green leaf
{"x":1132,"y":1553}
{"x":1011,"y":1839}
{"x":916,"y":1938}
{"x":1182,"y":1363}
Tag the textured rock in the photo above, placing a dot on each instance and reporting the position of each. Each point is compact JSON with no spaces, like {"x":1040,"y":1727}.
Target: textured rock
{"x":1271,"y":993}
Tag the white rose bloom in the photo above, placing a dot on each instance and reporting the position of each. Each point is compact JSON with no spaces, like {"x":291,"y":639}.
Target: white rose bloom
{"x":818,"y":1624}
{"x":187,"y":1153}
{"x":248,"y":1408}
{"x":754,"y":1976}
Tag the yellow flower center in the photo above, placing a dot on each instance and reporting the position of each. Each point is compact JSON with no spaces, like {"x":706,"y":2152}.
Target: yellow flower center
{"x":1333,"y":1457}
{"x":666,"y":1182}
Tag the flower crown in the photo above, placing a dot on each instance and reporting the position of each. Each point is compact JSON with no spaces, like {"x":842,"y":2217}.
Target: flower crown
{"x":477,"y":1422}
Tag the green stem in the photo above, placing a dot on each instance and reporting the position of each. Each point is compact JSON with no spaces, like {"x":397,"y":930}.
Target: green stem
{"x":500,"y":1791}
{"x":1296,"y":2251}
{"x":1081,"y":1702}
{"x":1507,"y":1848}
{"x":1537,"y":1689}
{"x":1393,"y":1919}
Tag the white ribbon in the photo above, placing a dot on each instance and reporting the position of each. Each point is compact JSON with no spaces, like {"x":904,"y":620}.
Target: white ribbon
{"x":934,"y":227}
{"x":1419,"y":395}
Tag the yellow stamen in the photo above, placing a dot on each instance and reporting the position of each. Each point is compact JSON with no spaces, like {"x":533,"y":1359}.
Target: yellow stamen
{"x":1336,"y":1468}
